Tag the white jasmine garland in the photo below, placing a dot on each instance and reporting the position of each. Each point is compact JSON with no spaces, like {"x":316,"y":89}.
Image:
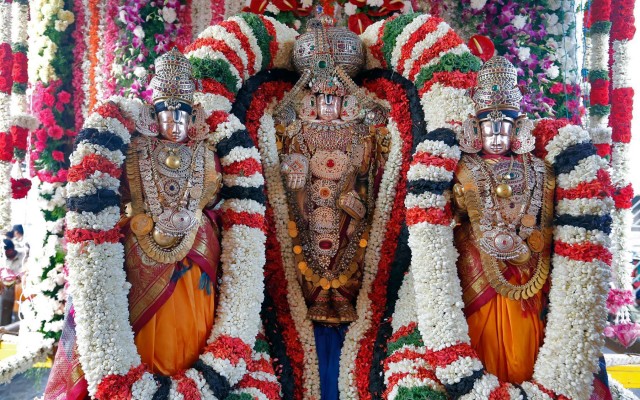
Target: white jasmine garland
{"x":285,"y":37}
{"x":212,"y":102}
{"x":103,"y":221}
{"x":84,"y":149}
{"x":452,"y":105}
{"x":381,"y":215}
{"x":144,"y":388}
{"x":277,"y":200}
{"x":419,"y":48}
{"x":585,"y":172}
{"x":620,"y":68}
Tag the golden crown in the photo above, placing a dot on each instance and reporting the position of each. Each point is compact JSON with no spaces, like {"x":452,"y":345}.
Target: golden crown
{"x":497,"y":87}
{"x":324,"y":47}
{"x":173,"y":81}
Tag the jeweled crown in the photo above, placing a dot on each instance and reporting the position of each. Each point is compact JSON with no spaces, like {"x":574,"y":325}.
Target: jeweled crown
{"x":173,"y":81}
{"x":324,"y":46}
{"x":497,"y":87}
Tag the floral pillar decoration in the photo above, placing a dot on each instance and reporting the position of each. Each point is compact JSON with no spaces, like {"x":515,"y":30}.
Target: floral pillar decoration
{"x":22,"y":122}
{"x":50,"y":55}
{"x":6,"y":146}
{"x":621,"y":295}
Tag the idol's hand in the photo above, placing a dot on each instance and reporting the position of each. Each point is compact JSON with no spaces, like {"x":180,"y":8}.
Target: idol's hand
{"x":295,"y":167}
{"x":351,"y":203}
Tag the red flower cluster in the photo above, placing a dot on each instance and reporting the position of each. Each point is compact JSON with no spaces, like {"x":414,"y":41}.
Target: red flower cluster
{"x":98,"y":237}
{"x":187,"y":387}
{"x":118,"y":387}
{"x":546,"y":130}
{"x":106,"y":110}
{"x":586,"y":252}
{"x":20,"y":188}
{"x":229,"y":348}
{"x":600,"y":11}
{"x":6,"y":147}
{"x":20,"y":72}
{"x":622,"y":19}
{"x":623,"y":197}
{"x":621,"y":113}
{"x":599,"y":92}
{"x":6,"y":65}
{"x":251,"y":220}
{"x":19,"y":137}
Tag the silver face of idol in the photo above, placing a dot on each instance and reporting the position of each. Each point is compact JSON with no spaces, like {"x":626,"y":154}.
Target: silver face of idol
{"x":174,"y":125}
{"x":496,"y":136}
{"x":329,"y":107}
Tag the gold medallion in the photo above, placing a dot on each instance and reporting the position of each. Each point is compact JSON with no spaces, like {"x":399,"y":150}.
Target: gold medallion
{"x":324,"y":282}
{"x":528,"y":220}
{"x":141,"y":224}
{"x":504,"y":191}
{"x":172,"y":161}
{"x":343,"y":279}
{"x":297,"y":249}
{"x":335,"y":283}
{"x":363,"y":243}
{"x":536,"y":241}
{"x":302,"y":266}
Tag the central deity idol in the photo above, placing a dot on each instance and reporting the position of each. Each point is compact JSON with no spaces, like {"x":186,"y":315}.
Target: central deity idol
{"x":331,"y":149}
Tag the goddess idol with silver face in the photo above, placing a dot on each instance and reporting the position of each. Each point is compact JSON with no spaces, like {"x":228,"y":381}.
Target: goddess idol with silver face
{"x":171,"y":242}
{"x":503,"y":199}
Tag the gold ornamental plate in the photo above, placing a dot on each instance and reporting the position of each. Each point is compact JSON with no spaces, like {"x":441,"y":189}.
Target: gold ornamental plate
{"x":141,"y":224}
{"x":528,"y":220}
{"x":536,"y":241}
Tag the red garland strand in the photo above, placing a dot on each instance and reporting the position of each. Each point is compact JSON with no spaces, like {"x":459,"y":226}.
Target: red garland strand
{"x":274,"y":268}
{"x":400,"y":113}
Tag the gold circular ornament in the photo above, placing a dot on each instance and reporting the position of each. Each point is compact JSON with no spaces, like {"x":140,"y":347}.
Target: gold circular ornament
{"x":335,"y":283}
{"x":291,"y":225}
{"x":536,"y":241}
{"x":363,"y":243}
{"x":504,"y":191}
{"x":297,"y":249}
{"x":163,"y":240}
{"x":172,"y":161}
{"x":324,"y":282}
{"x":528,"y":220}
{"x":522,"y":258}
{"x":302,"y":266}
{"x":141,"y":224}
{"x":293,"y":233}
{"x":343,"y":279}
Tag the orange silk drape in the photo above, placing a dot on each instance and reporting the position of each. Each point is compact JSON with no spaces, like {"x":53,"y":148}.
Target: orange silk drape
{"x":174,"y":337}
{"x":506,"y":338}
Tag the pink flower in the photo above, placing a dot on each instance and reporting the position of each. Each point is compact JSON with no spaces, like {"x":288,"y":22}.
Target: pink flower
{"x":64,"y":97}
{"x":48,"y":99}
{"x":46,"y":117}
{"x":56,"y":132}
{"x":57,"y":155}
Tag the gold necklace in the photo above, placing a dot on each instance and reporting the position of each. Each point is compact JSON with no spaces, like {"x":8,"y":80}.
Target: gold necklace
{"x":503,"y":189}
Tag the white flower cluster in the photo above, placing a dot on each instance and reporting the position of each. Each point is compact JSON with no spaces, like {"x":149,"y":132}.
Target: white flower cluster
{"x":369,"y":38}
{"x":404,"y":36}
{"x":23,"y":361}
{"x":443,"y":104}
{"x":45,"y":14}
{"x":381,"y":215}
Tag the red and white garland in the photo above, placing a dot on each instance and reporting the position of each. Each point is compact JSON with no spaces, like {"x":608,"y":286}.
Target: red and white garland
{"x":621,"y":295}
{"x":6,"y":143}
{"x":98,"y":284}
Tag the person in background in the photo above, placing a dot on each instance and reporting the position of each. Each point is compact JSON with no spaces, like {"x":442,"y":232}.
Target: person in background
{"x":19,"y":241}
{"x":10,"y":275}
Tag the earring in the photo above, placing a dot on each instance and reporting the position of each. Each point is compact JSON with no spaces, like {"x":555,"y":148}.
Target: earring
{"x":469,"y":136}
{"x":199,"y":128}
{"x":524,"y":141}
{"x":147,"y":122}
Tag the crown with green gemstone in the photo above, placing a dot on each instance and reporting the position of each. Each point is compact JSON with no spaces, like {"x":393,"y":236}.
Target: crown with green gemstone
{"x":173,"y":81}
{"x":497,"y":87}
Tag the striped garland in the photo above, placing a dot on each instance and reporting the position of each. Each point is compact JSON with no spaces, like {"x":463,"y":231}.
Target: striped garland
{"x":95,"y":255}
{"x":621,"y":295}
{"x":6,"y":143}
{"x":430,"y":352}
{"x":226,"y":55}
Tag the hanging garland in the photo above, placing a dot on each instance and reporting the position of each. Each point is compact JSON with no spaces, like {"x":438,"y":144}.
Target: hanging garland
{"x":539,"y":39}
{"x":6,"y":143}
{"x":621,"y":295}
{"x":50,"y":55}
